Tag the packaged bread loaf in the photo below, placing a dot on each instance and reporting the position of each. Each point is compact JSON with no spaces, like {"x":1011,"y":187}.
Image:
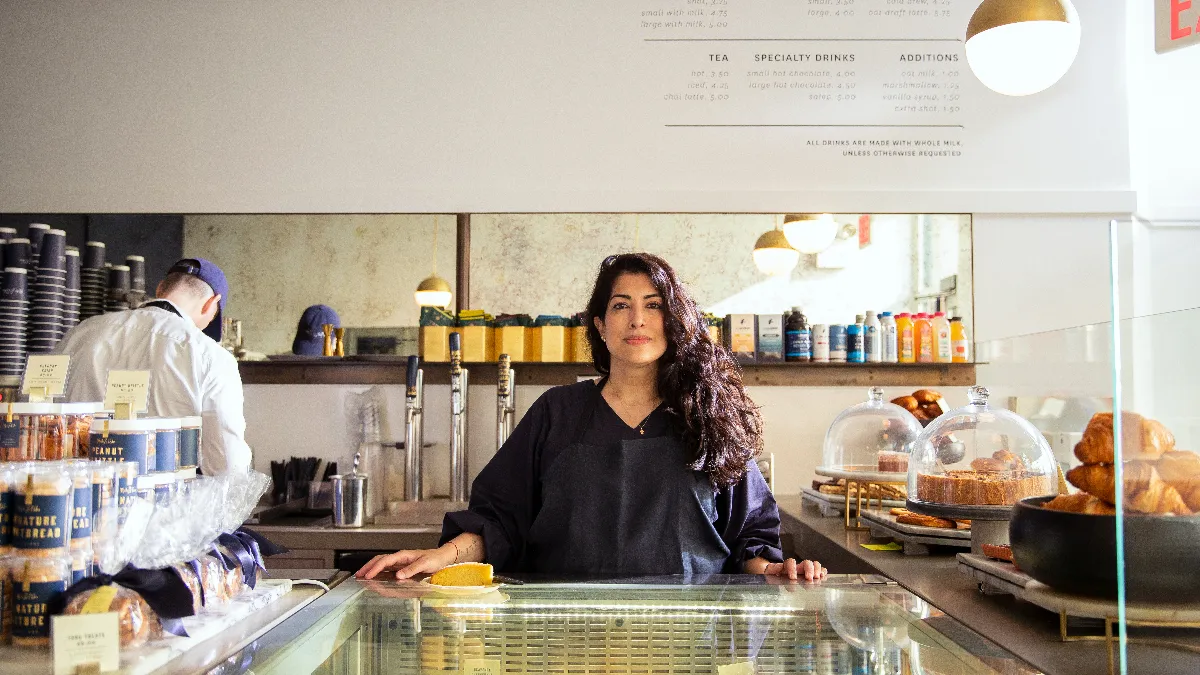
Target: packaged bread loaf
{"x":191,"y":579}
{"x":212,"y":578}
{"x":81,"y":505}
{"x":5,"y":600}
{"x":7,"y":477}
{"x":36,"y":582}
{"x":134,"y":617}
{"x":41,"y":521}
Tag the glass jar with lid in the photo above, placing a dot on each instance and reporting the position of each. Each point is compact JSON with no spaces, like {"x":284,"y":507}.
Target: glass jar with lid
{"x":125,"y":441}
{"x":36,"y":431}
{"x":78,"y":419}
{"x":980,"y":456}
{"x":872,"y":437}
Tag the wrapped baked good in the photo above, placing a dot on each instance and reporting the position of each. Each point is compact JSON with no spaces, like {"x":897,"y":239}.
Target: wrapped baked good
{"x":134,"y":617}
{"x":36,"y":582}
{"x":212,"y":578}
{"x":42,"y":509}
{"x":1141,"y":439}
{"x":187,"y":573}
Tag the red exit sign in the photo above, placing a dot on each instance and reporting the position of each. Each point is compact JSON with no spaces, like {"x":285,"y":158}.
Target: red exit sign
{"x":1176,"y":24}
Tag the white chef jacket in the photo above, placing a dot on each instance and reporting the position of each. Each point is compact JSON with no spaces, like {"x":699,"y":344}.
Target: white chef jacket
{"x":190,"y":375}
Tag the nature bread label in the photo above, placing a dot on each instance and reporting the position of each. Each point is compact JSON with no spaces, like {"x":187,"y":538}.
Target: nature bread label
{"x":31,"y":607}
{"x":41,"y":521}
{"x":81,"y":516}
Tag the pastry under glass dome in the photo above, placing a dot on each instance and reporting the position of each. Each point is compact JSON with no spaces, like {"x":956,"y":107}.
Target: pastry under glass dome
{"x":871,"y":437}
{"x":978,"y":455}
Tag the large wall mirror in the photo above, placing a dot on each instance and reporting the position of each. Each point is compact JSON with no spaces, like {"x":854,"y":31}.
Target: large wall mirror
{"x":367,"y":266}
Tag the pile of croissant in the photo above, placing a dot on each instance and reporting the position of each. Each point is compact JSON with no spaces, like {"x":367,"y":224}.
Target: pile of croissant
{"x":924,"y":404}
{"x":1158,"y":478}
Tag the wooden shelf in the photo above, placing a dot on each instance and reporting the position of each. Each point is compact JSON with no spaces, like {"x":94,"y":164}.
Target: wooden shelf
{"x":352,"y":371}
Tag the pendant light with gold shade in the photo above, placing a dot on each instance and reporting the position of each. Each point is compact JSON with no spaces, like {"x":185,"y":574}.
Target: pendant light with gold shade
{"x":773,"y":254}
{"x":811,"y":233}
{"x":1021,"y":47}
{"x":433,"y":291}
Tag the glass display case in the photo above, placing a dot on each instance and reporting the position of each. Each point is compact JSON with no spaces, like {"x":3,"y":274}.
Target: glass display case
{"x":1119,"y":549}
{"x":980,"y":455}
{"x":729,"y":624}
{"x":871,"y":437}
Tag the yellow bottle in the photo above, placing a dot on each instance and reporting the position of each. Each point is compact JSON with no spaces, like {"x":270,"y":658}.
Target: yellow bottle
{"x":959,"y":342}
{"x":905,"y":336}
{"x":923,"y":332}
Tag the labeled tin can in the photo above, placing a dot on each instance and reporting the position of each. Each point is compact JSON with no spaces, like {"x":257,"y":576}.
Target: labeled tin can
{"x":127,"y":474}
{"x":36,"y":582}
{"x":837,"y":343}
{"x":820,"y":342}
{"x":125,"y":441}
{"x":41,"y":521}
{"x":189,"y":442}
{"x":166,"y":445}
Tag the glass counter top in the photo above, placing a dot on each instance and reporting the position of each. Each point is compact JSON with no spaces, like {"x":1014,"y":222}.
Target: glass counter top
{"x":846,"y":625}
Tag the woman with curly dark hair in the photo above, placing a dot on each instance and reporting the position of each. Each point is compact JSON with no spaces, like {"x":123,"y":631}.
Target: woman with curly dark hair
{"x":648,"y":471}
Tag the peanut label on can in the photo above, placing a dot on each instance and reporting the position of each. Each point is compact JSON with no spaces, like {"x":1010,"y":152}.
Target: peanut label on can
{"x":41,"y":521}
{"x":120,"y":448}
{"x":166,"y":450}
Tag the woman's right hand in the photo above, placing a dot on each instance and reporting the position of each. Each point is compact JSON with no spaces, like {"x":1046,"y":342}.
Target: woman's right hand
{"x":408,"y":563}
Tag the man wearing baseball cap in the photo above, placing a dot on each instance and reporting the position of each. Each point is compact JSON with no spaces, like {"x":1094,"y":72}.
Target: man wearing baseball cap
{"x":177,"y":338}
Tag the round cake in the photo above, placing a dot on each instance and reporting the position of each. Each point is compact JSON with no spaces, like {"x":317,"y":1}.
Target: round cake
{"x":968,"y":486}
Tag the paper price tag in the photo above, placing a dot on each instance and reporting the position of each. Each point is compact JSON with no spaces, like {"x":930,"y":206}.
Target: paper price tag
{"x":482,"y":667}
{"x":84,"y":639}
{"x":46,"y":372}
{"x":127,"y":386}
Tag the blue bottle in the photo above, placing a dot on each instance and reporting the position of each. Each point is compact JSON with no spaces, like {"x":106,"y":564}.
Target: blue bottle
{"x":856,"y":334}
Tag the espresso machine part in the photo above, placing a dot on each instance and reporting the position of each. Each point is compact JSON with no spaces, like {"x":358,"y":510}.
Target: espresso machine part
{"x":505,"y":400}
{"x":458,"y":421}
{"x":414,"y":429}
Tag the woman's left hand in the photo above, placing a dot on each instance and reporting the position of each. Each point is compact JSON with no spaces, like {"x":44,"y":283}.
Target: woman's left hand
{"x":806,"y":570}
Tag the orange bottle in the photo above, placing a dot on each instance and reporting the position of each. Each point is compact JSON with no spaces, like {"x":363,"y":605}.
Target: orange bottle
{"x":943,"y":350}
{"x":923,"y":334}
{"x":959,"y":341}
{"x":905,"y":338}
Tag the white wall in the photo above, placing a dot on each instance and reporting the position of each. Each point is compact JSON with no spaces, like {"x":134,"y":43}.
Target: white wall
{"x":1164,"y":124}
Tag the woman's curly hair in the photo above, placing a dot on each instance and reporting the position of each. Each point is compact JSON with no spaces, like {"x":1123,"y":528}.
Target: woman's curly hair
{"x":698,"y":379}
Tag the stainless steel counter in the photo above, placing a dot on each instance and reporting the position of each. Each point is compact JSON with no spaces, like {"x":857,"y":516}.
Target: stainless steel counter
{"x":1028,"y":631}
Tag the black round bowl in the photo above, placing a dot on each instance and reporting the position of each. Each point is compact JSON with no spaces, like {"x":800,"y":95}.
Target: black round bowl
{"x":1076,"y":552}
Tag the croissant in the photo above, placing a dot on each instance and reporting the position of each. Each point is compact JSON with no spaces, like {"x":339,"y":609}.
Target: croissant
{"x":926,"y":396}
{"x":907,"y":402}
{"x":1145,"y":491}
{"x":1080,"y":502}
{"x":1143,"y":438}
{"x":1181,"y":470}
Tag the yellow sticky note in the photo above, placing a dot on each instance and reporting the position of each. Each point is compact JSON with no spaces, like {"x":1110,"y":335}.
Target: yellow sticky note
{"x":482,"y":667}
{"x":742,"y":668}
{"x":46,"y":372}
{"x":127,"y":386}
{"x":890,"y":546}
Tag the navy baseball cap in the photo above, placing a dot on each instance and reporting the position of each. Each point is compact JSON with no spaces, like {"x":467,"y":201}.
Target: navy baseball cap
{"x":209,"y":273}
{"x":310,"y":337}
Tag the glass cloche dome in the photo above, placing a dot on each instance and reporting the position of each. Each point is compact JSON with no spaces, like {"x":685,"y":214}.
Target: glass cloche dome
{"x":979,"y":455}
{"x":875,"y":436}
